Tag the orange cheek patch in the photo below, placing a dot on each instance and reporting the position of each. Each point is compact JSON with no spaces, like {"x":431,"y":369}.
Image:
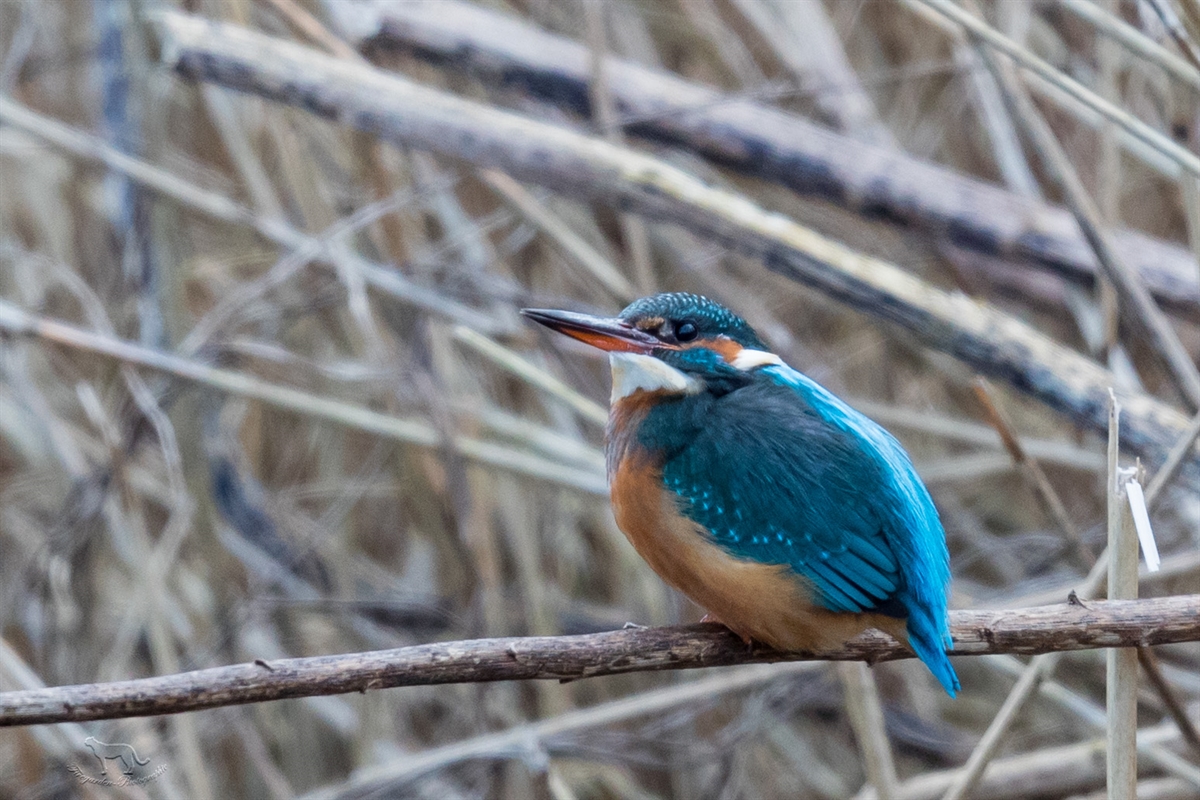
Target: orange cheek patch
{"x":727,"y":348}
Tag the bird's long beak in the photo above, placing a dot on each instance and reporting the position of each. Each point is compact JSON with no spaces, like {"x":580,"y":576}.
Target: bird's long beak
{"x":607,"y":333}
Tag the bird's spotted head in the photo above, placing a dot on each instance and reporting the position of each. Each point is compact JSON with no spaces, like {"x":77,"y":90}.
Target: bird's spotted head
{"x":681,"y":320}
{"x":674,"y":343}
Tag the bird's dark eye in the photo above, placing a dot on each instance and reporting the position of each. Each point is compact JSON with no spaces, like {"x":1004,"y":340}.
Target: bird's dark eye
{"x":685,"y":331}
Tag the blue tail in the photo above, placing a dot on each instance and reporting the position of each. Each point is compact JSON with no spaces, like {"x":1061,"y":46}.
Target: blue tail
{"x":930,"y":647}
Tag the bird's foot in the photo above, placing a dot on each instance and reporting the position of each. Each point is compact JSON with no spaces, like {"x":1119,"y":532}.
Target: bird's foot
{"x":633,"y":626}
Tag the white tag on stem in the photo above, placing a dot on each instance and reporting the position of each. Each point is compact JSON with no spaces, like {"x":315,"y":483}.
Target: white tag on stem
{"x":1141,"y":521}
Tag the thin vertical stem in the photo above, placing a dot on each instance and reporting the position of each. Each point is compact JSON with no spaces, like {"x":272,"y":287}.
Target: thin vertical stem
{"x":866,"y":718}
{"x":1191,"y":208}
{"x":1122,"y":665}
{"x":1108,"y":188}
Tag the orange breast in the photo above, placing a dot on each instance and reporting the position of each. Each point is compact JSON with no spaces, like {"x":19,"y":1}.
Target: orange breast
{"x":766,"y":602}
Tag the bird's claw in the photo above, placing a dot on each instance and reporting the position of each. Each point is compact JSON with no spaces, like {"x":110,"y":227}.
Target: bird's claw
{"x":633,"y":626}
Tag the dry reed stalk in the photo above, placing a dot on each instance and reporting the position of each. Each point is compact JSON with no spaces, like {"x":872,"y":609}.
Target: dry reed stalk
{"x":1135,"y":41}
{"x":1033,"y":470}
{"x":821,"y":65}
{"x":571,"y":242}
{"x":865,"y":710}
{"x":1061,"y":771}
{"x":763,"y":141}
{"x":571,"y":163}
{"x":1121,"y":667}
{"x":604,"y":112}
{"x":976,"y":27}
{"x":506,"y":743}
{"x":16,"y":321}
{"x":222,"y":208}
{"x":264,"y":241}
{"x":1029,"y":682}
{"x":1041,"y":667}
{"x":1129,"y":288}
{"x":1177,"y":31}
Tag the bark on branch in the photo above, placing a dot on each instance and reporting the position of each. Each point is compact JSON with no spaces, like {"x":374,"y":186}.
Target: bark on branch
{"x":1029,"y":631}
{"x":580,"y":166}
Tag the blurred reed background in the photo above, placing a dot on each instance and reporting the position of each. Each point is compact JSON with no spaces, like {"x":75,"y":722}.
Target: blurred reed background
{"x":151,"y":524}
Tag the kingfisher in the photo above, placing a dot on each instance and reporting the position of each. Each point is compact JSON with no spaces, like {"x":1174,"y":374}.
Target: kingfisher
{"x":791,"y":518}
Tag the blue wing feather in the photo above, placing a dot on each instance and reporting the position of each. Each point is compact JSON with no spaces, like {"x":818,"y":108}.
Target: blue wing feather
{"x":789,"y":474}
{"x":918,"y":533}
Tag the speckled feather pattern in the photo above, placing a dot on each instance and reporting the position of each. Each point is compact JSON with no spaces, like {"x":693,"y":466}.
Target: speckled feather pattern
{"x":912,"y":527}
{"x":709,"y":317}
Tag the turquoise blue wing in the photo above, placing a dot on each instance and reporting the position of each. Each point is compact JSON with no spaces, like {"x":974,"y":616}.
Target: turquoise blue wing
{"x":911,"y":523}
{"x":786,"y":473}
{"x":780,"y":487}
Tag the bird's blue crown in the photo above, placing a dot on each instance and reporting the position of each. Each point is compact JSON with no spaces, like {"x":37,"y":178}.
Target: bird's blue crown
{"x":670,"y":314}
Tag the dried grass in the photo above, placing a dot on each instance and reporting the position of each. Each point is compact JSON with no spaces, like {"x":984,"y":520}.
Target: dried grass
{"x":149,"y":525}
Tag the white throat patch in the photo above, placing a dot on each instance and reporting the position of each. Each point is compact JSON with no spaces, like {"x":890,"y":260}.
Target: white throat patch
{"x":632,"y":372}
{"x":749,"y":359}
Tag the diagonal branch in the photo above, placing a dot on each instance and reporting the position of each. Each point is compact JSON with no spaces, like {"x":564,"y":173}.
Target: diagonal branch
{"x":584,"y":167}
{"x":1029,"y":631}
{"x":758,"y":139}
